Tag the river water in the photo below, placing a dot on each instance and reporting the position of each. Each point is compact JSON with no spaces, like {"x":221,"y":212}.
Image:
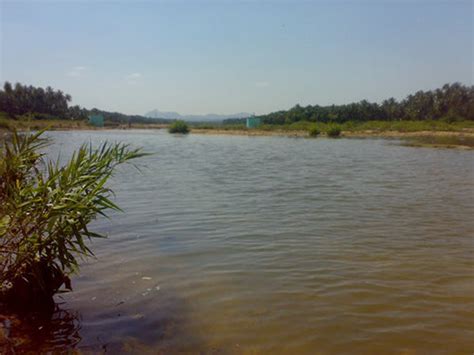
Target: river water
{"x":274,"y":245}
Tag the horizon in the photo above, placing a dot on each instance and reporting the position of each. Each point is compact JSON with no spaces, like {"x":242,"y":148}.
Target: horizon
{"x":226,"y":58}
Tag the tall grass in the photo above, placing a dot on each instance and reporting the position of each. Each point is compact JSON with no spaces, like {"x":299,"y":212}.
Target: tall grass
{"x":355,"y":126}
{"x":29,"y":122}
{"x":334,"y":131}
{"x":377,"y":126}
{"x":407,"y":126}
{"x":314,"y":131}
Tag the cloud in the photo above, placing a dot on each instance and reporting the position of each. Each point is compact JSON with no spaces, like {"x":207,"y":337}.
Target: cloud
{"x":76,"y":71}
{"x":262,"y":84}
{"x":133,"y":78}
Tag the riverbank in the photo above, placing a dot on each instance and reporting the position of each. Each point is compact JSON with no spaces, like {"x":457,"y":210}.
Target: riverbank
{"x":416,"y":133}
{"x":68,"y":125}
{"x":463,"y":139}
{"x":356,"y":134}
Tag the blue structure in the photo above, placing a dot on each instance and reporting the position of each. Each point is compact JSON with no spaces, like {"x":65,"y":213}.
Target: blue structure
{"x":253,"y":122}
{"x":96,"y":120}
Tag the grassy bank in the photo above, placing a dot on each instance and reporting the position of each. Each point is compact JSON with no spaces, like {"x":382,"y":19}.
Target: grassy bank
{"x":456,"y":133}
{"x":443,"y":141}
{"x":26,"y":123}
{"x":369,"y":128}
{"x":437,"y":134}
{"x":376,"y":126}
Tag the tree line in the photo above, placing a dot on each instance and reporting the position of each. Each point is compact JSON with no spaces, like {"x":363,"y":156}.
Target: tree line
{"x":18,"y":100}
{"x":451,"y":102}
{"x":22,"y":99}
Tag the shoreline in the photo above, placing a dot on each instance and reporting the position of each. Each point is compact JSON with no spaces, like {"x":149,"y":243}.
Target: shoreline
{"x":344,"y":134}
{"x":467,"y":132}
{"x":455,"y":139}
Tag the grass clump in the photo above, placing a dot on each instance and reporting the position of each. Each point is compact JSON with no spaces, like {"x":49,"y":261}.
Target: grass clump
{"x":179,"y":127}
{"x":4,"y":124}
{"x":44,"y":213}
{"x":314,"y":131}
{"x":334,"y":131}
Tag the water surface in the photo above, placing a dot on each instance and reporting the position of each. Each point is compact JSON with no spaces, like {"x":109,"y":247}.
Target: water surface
{"x":274,"y":245}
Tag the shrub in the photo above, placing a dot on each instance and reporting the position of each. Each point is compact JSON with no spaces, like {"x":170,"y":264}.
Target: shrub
{"x":44,"y":213}
{"x":451,"y":117}
{"x":314,"y":132}
{"x":300,"y":126}
{"x":4,"y":124}
{"x":334,"y":131}
{"x":179,"y":127}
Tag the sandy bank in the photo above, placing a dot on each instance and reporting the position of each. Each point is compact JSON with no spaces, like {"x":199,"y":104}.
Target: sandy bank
{"x":355,"y":134}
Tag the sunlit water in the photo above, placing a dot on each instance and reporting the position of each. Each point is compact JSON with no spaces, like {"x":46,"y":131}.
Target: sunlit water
{"x":232,"y":244}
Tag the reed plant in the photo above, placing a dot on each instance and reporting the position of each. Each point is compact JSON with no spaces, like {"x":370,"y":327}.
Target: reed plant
{"x":45,"y":210}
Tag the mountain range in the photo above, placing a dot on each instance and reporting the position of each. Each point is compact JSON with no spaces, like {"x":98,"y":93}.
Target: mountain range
{"x":194,"y":118}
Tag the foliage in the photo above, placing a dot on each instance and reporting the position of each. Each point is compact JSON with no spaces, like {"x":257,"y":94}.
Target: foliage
{"x":453,"y":99}
{"x":179,"y":127}
{"x":45,"y":210}
{"x":314,"y":131}
{"x":27,"y":122}
{"x":121,"y":118}
{"x":334,"y":131}
{"x":357,"y":126}
{"x":21,"y":99}
{"x":407,"y":126}
{"x":4,"y":123}
{"x":452,"y":117}
{"x":46,"y":104}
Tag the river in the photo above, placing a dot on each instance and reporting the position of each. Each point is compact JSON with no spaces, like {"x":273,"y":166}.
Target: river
{"x":275,"y":245}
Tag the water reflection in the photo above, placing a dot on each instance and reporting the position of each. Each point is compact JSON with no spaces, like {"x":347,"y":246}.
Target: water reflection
{"x":58,"y":330}
{"x":160,"y":326}
{"x":149,"y":325}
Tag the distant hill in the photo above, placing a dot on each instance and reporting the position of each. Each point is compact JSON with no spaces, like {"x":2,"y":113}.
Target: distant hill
{"x":156,"y":114}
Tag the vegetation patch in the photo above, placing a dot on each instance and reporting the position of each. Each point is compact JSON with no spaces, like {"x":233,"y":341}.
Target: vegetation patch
{"x":334,"y":131}
{"x":46,"y":104}
{"x":5,"y":124}
{"x":179,"y":127}
{"x":452,"y":102}
{"x":314,"y":131}
{"x":45,"y":210}
{"x":461,"y":142}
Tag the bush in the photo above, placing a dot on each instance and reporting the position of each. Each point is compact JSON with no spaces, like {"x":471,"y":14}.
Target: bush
{"x":44,"y":213}
{"x":314,"y":132}
{"x":4,"y":124}
{"x":334,"y":131}
{"x":451,"y":117}
{"x":179,"y":127}
{"x":300,"y":126}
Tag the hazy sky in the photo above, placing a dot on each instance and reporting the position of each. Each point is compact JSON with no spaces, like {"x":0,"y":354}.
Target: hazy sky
{"x":230,"y":56}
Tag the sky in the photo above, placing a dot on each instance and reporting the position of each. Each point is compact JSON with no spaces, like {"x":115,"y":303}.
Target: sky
{"x":198,"y":57}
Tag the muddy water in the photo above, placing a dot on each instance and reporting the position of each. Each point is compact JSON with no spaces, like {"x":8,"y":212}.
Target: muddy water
{"x":278,"y":245}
